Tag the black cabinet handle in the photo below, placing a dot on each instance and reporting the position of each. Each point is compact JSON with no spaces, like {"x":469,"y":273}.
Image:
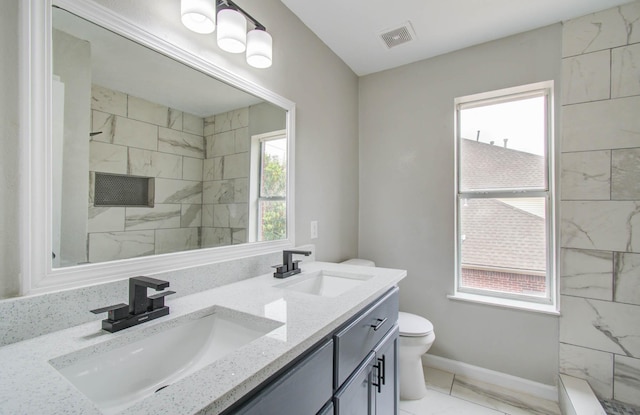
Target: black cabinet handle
{"x":384,"y":368}
{"x":378,"y":378}
{"x":380,"y":323}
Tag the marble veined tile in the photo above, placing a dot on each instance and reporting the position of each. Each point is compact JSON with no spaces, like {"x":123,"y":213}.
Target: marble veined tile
{"x":610,"y":226}
{"x":193,"y":124}
{"x":110,"y":246}
{"x":103,"y":123}
{"x":442,"y":404}
{"x":238,"y":236}
{"x":221,"y":144}
{"x":627,"y":380}
{"x":143,"y":110}
{"x":212,"y":237}
{"x":594,"y":366}
{"x":586,"y":273}
{"x":601,"y":325}
{"x":192,"y":168}
{"x":236,"y":166}
{"x":157,"y":217}
{"x":217,"y":192}
{"x":106,"y":219}
{"x":240,"y":118}
{"x":242,"y":140}
{"x":212,"y":168}
{"x":221,"y":216}
{"x":207,"y":215}
{"x":627,"y":278}
{"x":601,"y":125}
{"x":586,"y":77}
{"x":154,"y":164}
{"x":238,"y":215}
{"x":191,"y":216}
{"x":134,"y":133}
{"x":107,"y":158}
{"x":241,"y":191}
{"x":175,"y":119}
{"x":602,"y":30}
{"x":501,"y":399}
{"x":209,"y":126}
{"x":625,"y":71}
{"x":625,"y":172}
{"x":178,"y":191}
{"x":175,"y":240}
{"x":586,"y":175}
{"x":108,"y":100}
{"x":177,"y":142}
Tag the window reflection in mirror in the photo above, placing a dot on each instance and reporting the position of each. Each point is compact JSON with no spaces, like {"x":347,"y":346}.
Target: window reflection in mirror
{"x":142,"y":122}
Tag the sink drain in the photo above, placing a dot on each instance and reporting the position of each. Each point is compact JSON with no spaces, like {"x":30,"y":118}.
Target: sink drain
{"x":160,"y":388}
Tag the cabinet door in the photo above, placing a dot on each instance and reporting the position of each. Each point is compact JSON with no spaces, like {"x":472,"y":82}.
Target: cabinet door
{"x":355,"y":397}
{"x":385,"y":374}
{"x":302,"y":390}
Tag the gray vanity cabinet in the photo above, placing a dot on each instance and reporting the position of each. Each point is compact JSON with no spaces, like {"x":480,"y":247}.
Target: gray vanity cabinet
{"x":352,"y":373}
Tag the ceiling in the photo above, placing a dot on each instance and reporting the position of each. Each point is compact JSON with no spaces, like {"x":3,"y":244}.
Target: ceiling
{"x":351,"y":28}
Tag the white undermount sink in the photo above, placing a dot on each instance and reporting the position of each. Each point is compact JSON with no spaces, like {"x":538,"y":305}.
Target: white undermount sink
{"x":120,"y":376}
{"x":325,"y":283}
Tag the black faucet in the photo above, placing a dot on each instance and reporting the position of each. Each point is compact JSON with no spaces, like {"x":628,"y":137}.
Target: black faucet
{"x":140,"y":308}
{"x":289,"y":267}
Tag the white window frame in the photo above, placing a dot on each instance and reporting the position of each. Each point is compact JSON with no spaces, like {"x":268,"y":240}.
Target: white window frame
{"x":254,"y":190}
{"x":548,"y":303}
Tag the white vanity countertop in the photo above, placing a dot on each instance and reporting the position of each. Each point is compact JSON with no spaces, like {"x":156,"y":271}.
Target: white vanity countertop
{"x":29,"y":384}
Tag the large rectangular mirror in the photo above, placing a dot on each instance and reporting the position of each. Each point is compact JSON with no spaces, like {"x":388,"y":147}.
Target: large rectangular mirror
{"x":145,"y":156}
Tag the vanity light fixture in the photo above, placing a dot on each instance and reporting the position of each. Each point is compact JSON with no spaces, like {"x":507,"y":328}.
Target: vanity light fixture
{"x":232,"y":33}
{"x":199,"y":15}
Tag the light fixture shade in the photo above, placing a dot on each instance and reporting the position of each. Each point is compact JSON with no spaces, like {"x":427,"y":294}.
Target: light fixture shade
{"x":232,"y":31}
{"x":199,"y":15}
{"x":259,"y":48}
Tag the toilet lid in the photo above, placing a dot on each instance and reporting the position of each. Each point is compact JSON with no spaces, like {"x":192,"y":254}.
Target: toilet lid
{"x":412,"y":325}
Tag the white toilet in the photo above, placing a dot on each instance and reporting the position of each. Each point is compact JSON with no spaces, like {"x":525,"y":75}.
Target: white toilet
{"x":416,"y":337}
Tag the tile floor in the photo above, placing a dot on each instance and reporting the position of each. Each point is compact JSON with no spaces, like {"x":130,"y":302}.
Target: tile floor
{"x":449,"y":394}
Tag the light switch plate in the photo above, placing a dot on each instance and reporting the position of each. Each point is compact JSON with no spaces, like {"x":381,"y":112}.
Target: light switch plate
{"x":314,"y":229}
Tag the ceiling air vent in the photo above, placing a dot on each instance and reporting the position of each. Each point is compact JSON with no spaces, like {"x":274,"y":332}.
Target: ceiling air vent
{"x":394,"y":37}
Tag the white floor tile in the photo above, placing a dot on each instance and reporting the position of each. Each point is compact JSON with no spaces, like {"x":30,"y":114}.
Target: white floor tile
{"x":436,"y":403}
{"x":501,"y":399}
{"x":438,"y":380}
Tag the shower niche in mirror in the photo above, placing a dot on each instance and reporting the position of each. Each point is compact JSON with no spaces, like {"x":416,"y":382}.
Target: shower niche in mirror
{"x":183,"y":160}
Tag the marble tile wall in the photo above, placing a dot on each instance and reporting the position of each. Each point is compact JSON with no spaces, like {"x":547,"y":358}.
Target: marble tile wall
{"x":225,"y":212}
{"x":600,"y":202}
{"x":142,"y":138}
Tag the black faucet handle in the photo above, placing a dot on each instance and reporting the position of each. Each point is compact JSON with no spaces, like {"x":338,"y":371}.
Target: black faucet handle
{"x":114,"y":312}
{"x":157,"y":301}
{"x":149,"y":282}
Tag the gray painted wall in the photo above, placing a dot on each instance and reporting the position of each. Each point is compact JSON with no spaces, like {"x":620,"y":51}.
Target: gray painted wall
{"x":305,"y":71}
{"x":407,"y":199}
{"x":9,"y":169}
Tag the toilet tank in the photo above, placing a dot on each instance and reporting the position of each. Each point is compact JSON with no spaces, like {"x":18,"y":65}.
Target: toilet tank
{"x":361,"y":262}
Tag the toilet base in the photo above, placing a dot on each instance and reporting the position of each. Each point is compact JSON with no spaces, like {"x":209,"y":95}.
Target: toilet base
{"x":412,"y":384}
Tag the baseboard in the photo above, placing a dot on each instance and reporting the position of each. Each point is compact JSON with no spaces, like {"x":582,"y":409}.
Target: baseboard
{"x":540,"y":390}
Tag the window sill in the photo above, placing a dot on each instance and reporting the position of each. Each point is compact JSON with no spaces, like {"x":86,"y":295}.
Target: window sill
{"x":506,"y":303}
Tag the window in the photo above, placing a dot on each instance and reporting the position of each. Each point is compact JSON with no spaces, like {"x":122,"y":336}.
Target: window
{"x":268,"y":214}
{"x":504,"y":186}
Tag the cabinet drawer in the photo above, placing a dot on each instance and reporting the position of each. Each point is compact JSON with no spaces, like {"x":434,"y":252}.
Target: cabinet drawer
{"x":303,"y":390}
{"x":354,"y":342}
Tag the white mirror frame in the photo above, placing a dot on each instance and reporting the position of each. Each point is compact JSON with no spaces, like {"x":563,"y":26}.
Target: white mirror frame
{"x":35,"y":134}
